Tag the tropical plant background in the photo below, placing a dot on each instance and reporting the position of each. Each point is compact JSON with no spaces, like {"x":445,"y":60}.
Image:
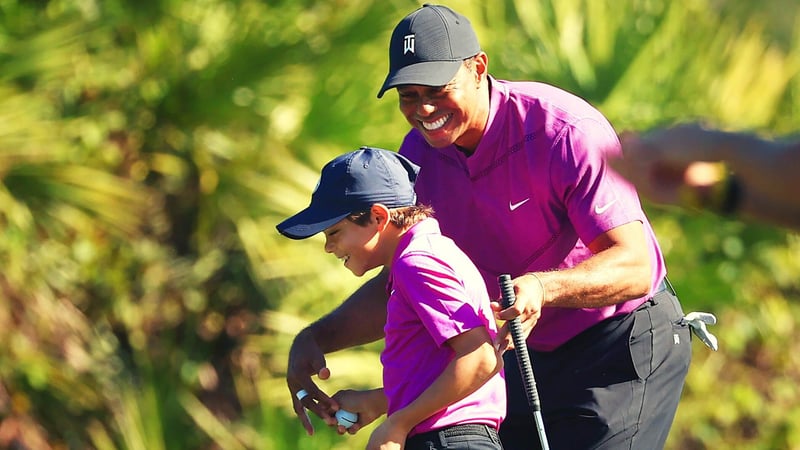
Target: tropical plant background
{"x":149,"y":147}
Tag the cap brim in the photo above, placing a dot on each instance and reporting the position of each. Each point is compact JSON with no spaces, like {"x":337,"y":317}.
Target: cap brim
{"x":308,"y":222}
{"x":431,"y":73}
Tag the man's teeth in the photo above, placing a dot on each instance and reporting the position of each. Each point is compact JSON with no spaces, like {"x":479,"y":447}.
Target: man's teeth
{"x":430,"y":126}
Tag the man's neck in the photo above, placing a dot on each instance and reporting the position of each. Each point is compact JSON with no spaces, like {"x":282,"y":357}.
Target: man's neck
{"x":483,"y":118}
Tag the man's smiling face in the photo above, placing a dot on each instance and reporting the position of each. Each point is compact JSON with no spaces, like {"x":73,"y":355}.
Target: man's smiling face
{"x":448,"y":114}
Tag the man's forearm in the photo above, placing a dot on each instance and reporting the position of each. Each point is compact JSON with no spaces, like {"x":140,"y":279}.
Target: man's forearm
{"x":582,"y":288}
{"x":358,"y":320}
{"x":618,"y":271}
{"x":765,"y":177}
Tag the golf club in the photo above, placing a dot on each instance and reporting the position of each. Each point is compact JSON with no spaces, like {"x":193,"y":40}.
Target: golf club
{"x":523,"y":359}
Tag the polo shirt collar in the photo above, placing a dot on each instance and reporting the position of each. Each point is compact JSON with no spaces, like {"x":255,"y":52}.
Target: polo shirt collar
{"x":486,"y":152}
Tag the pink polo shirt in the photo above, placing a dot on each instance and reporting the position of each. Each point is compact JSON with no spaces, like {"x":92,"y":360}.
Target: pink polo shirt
{"x":533,"y":194}
{"x":435,"y":293}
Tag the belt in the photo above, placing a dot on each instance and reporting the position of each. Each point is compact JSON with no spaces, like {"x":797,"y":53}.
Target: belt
{"x":439,"y":437}
{"x":663,"y":286}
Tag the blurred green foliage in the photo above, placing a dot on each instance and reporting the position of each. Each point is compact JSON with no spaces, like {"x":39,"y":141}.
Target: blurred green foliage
{"x":148,"y":148}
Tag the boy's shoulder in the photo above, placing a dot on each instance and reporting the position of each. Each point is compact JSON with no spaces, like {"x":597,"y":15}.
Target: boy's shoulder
{"x":425,"y":250}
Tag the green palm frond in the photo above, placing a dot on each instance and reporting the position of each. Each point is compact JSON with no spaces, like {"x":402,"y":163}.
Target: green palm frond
{"x":45,"y":54}
{"x":77,"y":197}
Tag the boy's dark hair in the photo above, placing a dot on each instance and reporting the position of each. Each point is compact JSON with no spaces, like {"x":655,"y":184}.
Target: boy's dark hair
{"x":400,"y":217}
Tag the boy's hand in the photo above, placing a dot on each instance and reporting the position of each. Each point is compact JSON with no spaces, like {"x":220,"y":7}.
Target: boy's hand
{"x":368,"y":404}
{"x":387,"y":437}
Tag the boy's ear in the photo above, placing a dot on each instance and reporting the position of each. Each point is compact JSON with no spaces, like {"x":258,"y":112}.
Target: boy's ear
{"x":380,"y":214}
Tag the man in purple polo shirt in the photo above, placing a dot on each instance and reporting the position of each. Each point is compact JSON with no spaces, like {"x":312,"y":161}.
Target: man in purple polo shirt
{"x":516,"y":173}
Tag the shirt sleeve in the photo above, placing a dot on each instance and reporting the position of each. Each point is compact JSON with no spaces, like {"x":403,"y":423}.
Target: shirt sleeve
{"x":597,"y":198}
{"x":436,"y":294}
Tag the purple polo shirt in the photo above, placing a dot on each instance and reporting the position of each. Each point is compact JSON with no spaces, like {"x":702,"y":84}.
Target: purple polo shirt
{"x":435,"y":293}
{"x":534,"y":193}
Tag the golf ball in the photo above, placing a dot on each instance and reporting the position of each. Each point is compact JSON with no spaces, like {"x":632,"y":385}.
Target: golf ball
{"x":346,"y":418}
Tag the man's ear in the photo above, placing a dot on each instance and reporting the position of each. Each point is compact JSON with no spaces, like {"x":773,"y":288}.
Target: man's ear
{"x":380,"y":214}
{"x":481,"y":65}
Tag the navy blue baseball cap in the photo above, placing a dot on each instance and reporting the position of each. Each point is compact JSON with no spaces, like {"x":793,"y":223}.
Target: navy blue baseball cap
{"x":428,"y":46}
{"x":351,"y":183}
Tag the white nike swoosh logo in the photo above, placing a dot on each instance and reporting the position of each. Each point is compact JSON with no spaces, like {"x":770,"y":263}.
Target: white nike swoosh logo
{"x":601,"y":209}
{"x":513,"y":206}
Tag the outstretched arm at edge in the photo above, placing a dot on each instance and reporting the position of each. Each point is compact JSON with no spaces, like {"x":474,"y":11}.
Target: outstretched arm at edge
{"x":358,"y":320}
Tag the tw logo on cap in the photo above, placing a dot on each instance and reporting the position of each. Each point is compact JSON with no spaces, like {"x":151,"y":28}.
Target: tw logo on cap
{"x":408,"y":44}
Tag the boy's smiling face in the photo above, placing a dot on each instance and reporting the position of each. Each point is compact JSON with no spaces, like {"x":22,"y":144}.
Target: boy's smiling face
{"x":356,"y":245}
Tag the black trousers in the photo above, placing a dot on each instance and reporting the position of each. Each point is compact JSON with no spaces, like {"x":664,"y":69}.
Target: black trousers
{"x":457,"y":437}
{"x":614,"y":386}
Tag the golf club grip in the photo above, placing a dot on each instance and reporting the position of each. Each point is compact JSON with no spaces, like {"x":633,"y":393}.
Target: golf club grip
{"x":520,"y":346}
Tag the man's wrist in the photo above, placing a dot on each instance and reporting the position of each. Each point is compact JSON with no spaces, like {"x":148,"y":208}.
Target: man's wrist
{"x":730,"y":197}
{"x":723,"y":197}
{"x":541,"y":286}
{"x":309,"y":334}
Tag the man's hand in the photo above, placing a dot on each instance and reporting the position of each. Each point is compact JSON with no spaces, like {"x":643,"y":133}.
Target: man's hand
{"x":306,"y":359}
{"x":359,"y":320}
{"x":673,"y":166}
{"x":528,"y":307}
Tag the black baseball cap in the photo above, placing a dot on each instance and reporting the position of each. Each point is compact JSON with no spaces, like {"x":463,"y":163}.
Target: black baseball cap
{"x":351,"y":183}
{"x":428,"y":46}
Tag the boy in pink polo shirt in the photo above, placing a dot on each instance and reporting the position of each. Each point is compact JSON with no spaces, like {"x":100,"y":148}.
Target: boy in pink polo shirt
{"x":442,"y":377}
